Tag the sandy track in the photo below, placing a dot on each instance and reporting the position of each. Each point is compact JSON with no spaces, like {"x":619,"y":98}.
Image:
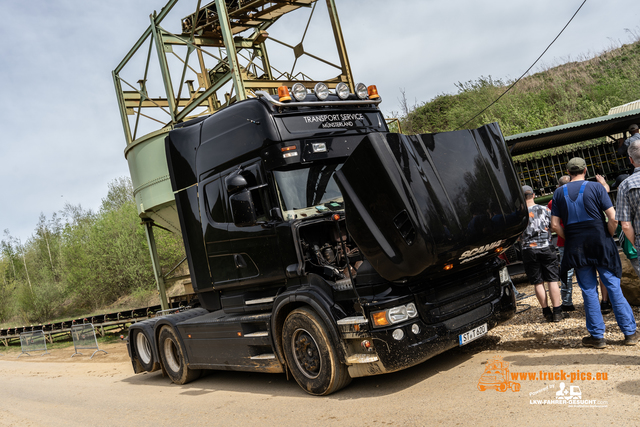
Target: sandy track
{"x":55,"y":390}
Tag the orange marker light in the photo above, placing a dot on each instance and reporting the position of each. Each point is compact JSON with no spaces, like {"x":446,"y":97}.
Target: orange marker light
{"x":380,"y":319}
{"x":373,"y":92}
{"x":336,"y":217}
{"x":239,"y":334}
{"x":499,"y":249}
{"x":289,"y":148}
{"x":283,"y":94}
{"x":448,"y":267}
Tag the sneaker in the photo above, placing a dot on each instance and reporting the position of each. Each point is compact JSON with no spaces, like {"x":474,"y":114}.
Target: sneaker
{"x":605,"y":307}
{"x":557,"y":317}
{"x":590,"y":341}
{"x":631,"y":339}
{"x":569,"y":307}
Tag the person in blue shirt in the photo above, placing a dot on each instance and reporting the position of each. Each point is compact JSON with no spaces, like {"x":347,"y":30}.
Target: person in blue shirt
{"x":591,"y":251}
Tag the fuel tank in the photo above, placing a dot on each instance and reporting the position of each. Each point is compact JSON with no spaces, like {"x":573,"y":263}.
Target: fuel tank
{"x":417,"y":204}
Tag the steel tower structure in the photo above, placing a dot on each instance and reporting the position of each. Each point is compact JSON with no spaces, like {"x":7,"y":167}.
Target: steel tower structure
{"x":218,"y":57}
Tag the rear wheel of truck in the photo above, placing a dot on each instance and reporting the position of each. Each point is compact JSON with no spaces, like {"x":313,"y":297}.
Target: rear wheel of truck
{"x":173,"y":358}
{"x":313,"y":361}
{"x":143,"y":350}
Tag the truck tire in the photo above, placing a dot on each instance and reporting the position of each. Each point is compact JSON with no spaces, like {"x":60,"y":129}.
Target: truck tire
{"x":143,"y":349}
{"x":173,"y":357}
{"x":312,"y":359}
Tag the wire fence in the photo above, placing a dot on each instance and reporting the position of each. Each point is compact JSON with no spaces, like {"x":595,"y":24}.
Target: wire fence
{"x":84,"y":338}
{"x":33,"y":341}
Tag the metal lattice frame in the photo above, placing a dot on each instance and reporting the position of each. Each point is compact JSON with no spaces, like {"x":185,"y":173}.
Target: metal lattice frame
{"x":232,"y":35}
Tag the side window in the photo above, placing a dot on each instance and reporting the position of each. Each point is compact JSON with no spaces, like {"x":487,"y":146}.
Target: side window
{"x":214,"y":200}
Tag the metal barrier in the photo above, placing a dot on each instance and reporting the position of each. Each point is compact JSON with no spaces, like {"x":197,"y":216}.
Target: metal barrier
{"x":33,"y":341}
{"x":84,"y":337}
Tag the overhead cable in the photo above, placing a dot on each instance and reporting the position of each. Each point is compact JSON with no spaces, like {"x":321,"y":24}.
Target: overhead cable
{"x":528,"y":69}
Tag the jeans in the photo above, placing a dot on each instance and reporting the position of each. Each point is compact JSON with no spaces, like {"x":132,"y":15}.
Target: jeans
{"x":588,"y":282}
{"x":566,"y":288}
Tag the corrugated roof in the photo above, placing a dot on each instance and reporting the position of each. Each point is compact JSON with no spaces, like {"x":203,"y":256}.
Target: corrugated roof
{"x":570,"y":133}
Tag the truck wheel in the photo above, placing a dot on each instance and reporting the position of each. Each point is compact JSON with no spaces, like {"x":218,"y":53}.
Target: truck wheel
{"x":312,"y":359}
{"x":143,"y":350}
{"x":173,"y":359}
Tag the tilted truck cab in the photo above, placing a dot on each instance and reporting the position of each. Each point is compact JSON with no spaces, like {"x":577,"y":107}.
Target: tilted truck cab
{"x":321,"y":243}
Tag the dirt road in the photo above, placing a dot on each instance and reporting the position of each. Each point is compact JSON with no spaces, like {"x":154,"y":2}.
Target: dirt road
{"x":55,"y":390}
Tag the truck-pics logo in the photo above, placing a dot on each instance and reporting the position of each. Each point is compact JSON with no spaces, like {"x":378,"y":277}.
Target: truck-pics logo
{"x":479,"y":251}
{"x":496,"y":376}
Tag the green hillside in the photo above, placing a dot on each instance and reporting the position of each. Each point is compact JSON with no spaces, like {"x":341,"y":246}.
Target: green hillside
{"x":562,"y":94}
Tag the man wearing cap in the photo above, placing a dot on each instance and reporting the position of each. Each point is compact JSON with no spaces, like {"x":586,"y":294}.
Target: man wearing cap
{"x":539,"y":258}
{"x":590,"y":250}
{"x":624,"y":144}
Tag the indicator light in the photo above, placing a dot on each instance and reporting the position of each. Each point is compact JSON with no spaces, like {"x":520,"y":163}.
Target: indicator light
{"x":283,"y":94}
{"x":373,"y":92}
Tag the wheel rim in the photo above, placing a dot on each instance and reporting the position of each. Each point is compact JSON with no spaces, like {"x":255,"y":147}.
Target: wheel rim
{"x":172,"y":356}
{"x":306,"y":354}
{"x":143,"y":347}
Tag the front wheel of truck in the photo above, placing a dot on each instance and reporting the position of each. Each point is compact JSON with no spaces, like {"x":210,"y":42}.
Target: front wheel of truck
{"x":173,"y":358}
{"x":313,"y":361}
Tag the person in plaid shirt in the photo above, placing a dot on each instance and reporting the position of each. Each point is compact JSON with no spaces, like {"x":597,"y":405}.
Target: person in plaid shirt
{"x":628,"y":199}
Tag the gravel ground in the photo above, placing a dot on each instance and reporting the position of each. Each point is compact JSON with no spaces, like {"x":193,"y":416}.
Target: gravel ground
{"x":528,"y":329}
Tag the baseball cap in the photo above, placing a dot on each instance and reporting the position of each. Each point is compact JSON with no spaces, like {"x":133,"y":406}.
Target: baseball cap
{"x":619,"y":180}
{"x":577,"y":164}
{"x":526,"y":189}
{"x":633,"y":127}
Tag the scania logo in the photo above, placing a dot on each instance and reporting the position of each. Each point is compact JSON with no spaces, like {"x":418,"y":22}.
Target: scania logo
{"x":479,"y":251}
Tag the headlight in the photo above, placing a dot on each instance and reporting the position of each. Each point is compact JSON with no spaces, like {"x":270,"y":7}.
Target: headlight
{"x":361,"y":91}
{"x":504,"y":275}
{"x":398,"y":314}
{"x":394,"y":315}
{"x":299,"y":92}
{"x":342,"y":90}
{"x":412,"y":311}
{"x":321,"y":90}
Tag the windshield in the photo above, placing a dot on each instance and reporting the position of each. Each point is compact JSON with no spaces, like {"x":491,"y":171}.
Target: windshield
{"x":309,"y":191}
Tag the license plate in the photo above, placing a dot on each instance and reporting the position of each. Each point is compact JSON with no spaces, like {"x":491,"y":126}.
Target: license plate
{"x":473,"y":334}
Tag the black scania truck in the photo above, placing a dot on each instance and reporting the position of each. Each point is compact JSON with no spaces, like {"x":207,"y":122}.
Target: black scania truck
{"x":320,"y":243}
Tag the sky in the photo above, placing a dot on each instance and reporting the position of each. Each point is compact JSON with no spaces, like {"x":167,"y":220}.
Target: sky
{"x":62,"y":139}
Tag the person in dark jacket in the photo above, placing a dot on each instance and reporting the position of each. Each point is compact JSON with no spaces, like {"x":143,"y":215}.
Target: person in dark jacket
{"x":591,"y":251}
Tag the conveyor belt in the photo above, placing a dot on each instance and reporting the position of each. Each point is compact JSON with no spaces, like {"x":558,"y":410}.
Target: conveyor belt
{"x":100,"y":321}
